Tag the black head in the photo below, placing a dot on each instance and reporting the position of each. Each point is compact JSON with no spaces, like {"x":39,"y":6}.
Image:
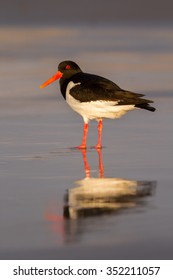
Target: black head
{"x":68,"y":69}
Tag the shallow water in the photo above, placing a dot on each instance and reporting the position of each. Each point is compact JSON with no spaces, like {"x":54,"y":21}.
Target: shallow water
{"x":57,"y":202}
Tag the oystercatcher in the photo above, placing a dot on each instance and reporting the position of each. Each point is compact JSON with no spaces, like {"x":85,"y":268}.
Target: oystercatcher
{"x":95,"y":97}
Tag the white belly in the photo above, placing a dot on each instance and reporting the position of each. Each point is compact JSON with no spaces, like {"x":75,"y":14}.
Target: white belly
{"x":96,"y":109}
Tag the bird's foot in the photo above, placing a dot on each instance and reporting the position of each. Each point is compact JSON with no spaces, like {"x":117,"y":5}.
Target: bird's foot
{"x":81,"y":147}
{"x":98,"y":147}
{"x":84,"y":147}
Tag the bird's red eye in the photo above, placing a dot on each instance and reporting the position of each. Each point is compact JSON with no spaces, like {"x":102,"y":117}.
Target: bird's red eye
{"x":67,"y":67}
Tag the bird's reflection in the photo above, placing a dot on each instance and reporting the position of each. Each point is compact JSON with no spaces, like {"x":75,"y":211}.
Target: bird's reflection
{"x":95,"y":197}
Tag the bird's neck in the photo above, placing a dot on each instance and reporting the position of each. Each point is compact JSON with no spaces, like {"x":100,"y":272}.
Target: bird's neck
{"x":64,"y":82}
{"x":63,"y":86}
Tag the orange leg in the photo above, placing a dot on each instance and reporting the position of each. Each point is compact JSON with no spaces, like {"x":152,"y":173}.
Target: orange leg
{"x":100,"y":126}
{"x":85,"y":132}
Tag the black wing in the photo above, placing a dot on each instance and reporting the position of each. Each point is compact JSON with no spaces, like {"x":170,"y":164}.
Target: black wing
{"x":93,"y":88}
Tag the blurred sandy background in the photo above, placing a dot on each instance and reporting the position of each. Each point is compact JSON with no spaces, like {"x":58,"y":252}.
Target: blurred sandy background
{"x":68,"y":12}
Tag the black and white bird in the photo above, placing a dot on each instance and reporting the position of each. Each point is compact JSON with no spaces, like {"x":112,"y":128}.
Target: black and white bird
{"x":95,"y":97}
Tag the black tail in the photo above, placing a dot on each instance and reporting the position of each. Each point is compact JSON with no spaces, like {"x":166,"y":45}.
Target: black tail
{"x":145,"y":106}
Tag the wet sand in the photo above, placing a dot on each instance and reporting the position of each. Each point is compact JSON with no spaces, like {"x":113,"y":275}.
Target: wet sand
{"x":57,"y":203}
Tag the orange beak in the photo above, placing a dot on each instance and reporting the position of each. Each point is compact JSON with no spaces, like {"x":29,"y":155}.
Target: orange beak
{"x":55,"y":77}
